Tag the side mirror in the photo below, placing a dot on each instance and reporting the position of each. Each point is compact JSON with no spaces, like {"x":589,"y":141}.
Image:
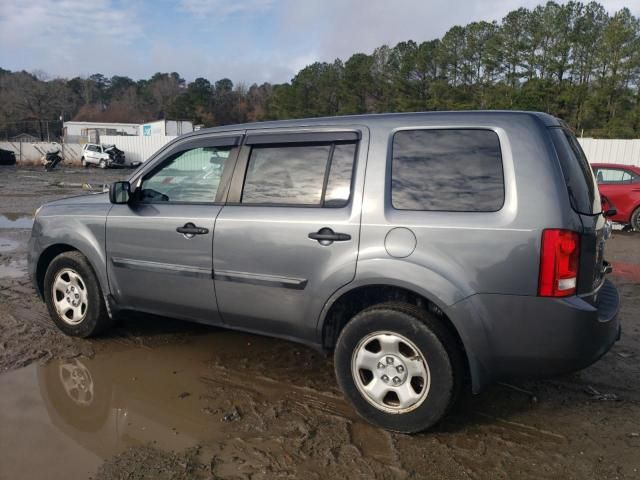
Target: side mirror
{"x":610,"y":212}
{"x":120,"y":192}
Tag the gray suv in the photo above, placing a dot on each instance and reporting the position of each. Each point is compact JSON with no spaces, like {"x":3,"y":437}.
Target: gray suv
{"x":425,"y":250}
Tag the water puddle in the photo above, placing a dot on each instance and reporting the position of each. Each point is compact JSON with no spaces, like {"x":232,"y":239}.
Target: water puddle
{"x":16,"y":220}
{"x":13,"y":269}
{"x":215,"y":391}
{"x":8,"y":245}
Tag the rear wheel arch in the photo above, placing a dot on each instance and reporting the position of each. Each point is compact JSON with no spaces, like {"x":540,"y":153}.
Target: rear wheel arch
{"x":358,"y":299}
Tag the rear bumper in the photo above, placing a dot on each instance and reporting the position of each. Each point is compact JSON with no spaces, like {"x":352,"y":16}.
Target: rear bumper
{"x":524,"y":336}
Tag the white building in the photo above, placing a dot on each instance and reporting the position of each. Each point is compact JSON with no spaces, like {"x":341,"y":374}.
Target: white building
{"x":76,"y":131}
{"x":167,"y":128}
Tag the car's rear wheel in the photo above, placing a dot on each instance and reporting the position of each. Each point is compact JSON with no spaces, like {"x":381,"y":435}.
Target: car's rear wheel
{"x":73,"y":296}
{"x":399,"y":367}
{"x":635,"y":219}
{"x":84,"y":162}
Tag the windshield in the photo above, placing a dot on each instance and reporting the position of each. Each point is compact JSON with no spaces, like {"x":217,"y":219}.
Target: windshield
{"x":578,"y":176}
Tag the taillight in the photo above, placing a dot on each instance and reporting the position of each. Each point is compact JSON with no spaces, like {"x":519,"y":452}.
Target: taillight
{"x":559,"y":258}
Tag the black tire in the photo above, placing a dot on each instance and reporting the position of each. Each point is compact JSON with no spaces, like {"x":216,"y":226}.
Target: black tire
{"x":84,"y":163}
{"x":96,"y":318}
{"x":434,"y":342}
{"x":102,"y":164}
{"x":635,"y":220}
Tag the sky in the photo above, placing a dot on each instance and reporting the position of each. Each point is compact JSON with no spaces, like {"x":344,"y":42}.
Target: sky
{"x":249,"y":41}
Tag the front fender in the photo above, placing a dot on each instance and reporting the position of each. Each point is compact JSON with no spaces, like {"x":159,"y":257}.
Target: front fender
{"x":85,"y":233}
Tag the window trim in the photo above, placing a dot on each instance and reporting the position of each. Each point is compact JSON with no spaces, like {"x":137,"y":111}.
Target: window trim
{"x":236,"y":188}
{"x":389,"y":181}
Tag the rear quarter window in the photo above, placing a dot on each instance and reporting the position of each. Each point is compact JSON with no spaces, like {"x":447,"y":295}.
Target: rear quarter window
{"x":578,"y":176}
{"x":454,"y":170}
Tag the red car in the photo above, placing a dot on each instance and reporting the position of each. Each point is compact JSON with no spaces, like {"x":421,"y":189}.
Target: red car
{"x":621,"y":185}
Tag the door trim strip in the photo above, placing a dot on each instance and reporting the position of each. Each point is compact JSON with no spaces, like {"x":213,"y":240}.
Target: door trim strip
{"x":292,"y":283}
{"x":159,"y":267}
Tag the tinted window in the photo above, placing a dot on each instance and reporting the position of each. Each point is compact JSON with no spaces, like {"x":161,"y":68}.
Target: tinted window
{"x":339,"y":183}
{"x":189,"y":176}
{"x":295,"y":175}
{"x":614,"y":175}
{"x":577,"y":172}
{"x":447,"y":170}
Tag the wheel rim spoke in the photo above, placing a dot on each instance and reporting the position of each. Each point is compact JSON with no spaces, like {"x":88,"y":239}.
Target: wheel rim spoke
{"x":60,"y":285}
{"x":416,"y":367}
{"x":376,"y":389}
{"x":389,"y":343}
{"x":366,"y":360}
{"x":406,"y":395}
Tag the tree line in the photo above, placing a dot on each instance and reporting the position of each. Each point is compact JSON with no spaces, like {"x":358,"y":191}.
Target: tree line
{"x":575,"y":61}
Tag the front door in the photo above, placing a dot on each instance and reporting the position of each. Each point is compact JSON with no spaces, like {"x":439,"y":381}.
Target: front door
{"x":159,"y":247}
{"x":288,"y":236}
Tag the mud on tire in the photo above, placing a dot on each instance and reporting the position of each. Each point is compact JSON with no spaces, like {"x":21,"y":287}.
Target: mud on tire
{"x":416,"y":334}
{"x":67,"y":270}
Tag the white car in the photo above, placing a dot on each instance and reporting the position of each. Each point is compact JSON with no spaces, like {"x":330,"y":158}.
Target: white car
{"x":103,"y":156}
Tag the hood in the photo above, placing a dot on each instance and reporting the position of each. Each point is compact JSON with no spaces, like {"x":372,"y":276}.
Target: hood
{"x":99,"y":198}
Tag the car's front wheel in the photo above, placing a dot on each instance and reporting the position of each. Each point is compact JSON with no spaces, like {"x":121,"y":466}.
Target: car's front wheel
{"x":398,"y":366}
{"x":103,"y":164}
{"x":73,"y":296}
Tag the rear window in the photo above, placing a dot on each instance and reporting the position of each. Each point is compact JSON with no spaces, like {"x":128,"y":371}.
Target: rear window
{"x":447,"y":170}
{"x":578,"y":176}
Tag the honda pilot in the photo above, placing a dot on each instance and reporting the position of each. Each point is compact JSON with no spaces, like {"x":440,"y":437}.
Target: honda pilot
{"x":425,"y":251}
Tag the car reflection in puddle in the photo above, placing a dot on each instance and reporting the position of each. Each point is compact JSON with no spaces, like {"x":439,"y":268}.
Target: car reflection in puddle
{"x":108,"y":404}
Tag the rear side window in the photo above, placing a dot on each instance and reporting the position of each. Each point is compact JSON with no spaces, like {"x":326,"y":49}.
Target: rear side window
{"x":304,"y":175}
{"x":578,"y":176}
{"x":614,"y":175}
{"x":457,"y":170}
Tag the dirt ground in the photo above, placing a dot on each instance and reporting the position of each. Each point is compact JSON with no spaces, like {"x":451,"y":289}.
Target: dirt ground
{"x":162,"y":399}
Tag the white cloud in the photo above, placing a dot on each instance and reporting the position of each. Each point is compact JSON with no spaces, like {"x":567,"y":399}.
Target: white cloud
{"x":223,"y":8}
{"x":51,"y":35}
{"x":245,"y":40}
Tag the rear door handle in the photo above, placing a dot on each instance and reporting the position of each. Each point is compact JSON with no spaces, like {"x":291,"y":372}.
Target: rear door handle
{"x":326,"y":236}
{"x":189,"y":230}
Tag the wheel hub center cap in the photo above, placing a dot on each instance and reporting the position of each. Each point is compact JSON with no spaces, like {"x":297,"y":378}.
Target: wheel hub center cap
{"x":392,"y":370}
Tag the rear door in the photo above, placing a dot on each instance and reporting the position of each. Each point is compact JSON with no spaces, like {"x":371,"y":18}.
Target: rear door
{"x":159,"y":246}
{"x":288,"y":236}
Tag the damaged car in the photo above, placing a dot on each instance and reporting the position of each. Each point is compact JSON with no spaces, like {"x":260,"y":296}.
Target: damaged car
{"x":103,"y":156}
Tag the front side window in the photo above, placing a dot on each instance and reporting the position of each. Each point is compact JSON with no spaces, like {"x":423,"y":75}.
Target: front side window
{"x":303,"y":175}
{"x":191,"y":176}
{"x":456,"y":170}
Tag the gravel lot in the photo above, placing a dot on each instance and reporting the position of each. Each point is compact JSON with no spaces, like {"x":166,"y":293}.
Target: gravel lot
{"x":158,"y":398}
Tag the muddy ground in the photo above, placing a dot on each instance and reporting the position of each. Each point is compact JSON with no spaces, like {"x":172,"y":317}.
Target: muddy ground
{"x":163,"y":399}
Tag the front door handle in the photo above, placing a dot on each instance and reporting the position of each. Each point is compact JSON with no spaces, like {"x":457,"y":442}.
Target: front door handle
{"x":326,"y":236}
{"x":189,"y":230}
